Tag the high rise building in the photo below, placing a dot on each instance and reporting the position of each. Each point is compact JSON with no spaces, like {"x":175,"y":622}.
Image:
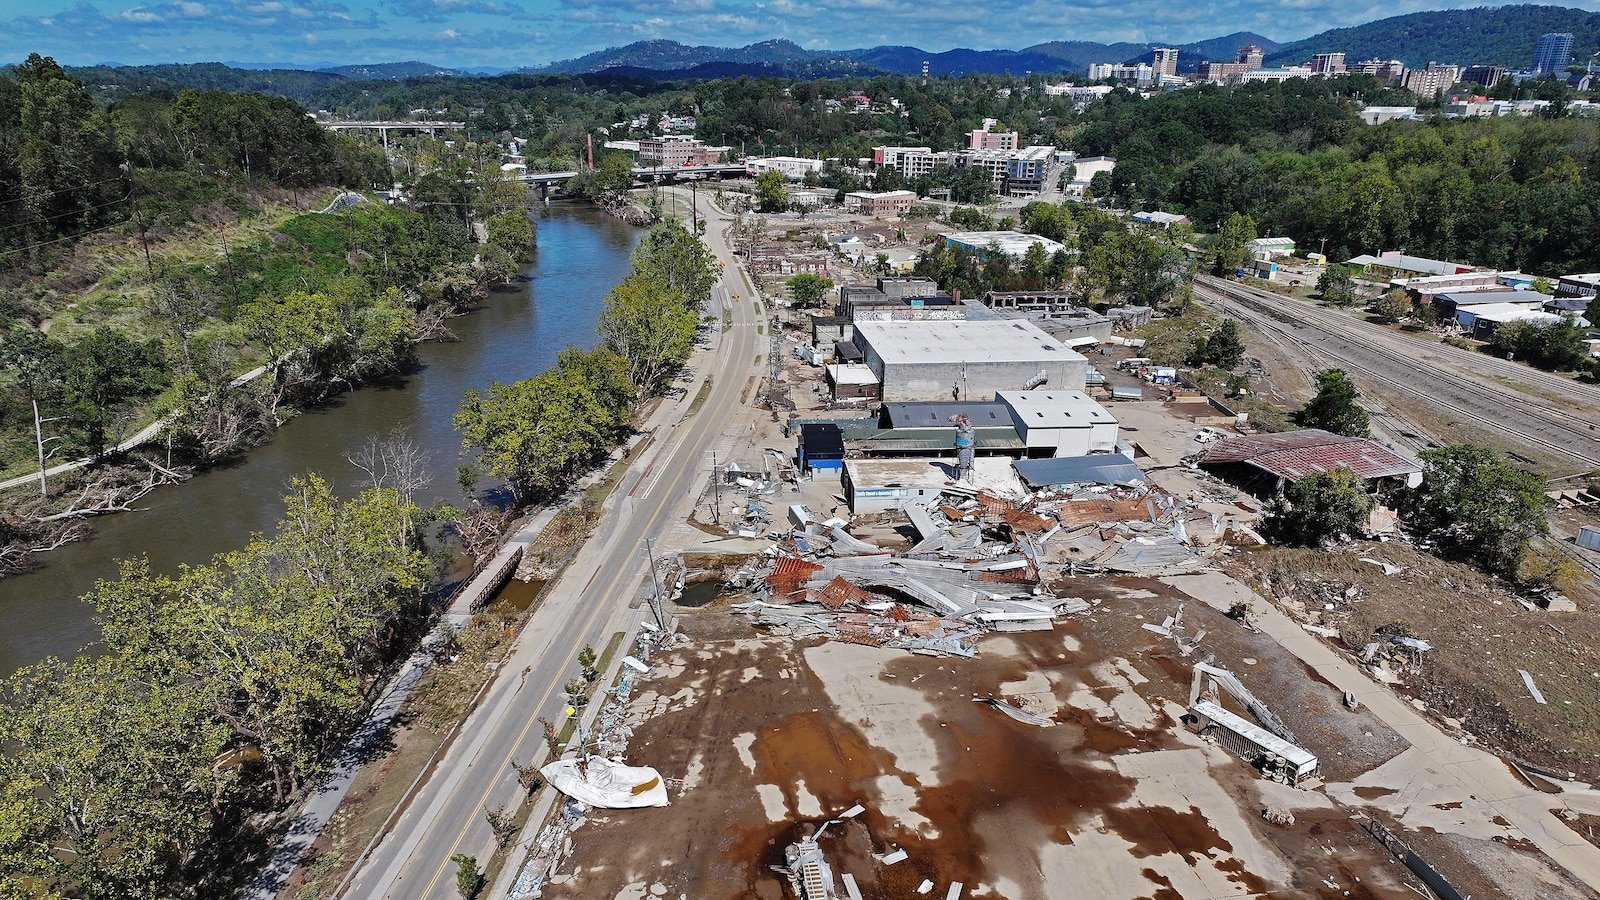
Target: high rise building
{"x":1165,"y":62}
{"x":1252,"y":56}
{"x":1327,"y":64}
{"x":1488,"y":76}
{"x":1432,"y":81}
{"x":1552,"y":53}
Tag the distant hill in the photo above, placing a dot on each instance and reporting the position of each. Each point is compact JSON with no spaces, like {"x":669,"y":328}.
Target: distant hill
{"x":107,"y":82}
{"x":390,"y":71}
{"x":779,"y":57}
{"x":1502,"y":36}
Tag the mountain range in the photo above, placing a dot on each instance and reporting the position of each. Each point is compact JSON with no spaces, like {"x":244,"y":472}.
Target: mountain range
{"x":670,"y":57}
{"x":1502,"y":35}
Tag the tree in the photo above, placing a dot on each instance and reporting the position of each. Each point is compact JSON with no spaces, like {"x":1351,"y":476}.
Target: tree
{"x":1336,"y":286}
{"x":613,"y":175}
{"x":772,"y":195}
{"x":1478,"y":506}
{"x":512,"y":232}
{"x":887,"y":178}
{"x":1232,"y":242}
{"x":587,"y":660}
{"x":1320,"y":507}
{"x":808,"y":289}
{"x":1223,"y":347}
{"x":34,"y":364}
{"x":541,"y":433}
{"x":1099,"y":185}
{"x":1394,"y":305}
{"x":1334,"y":406}
{"x":1557,"y":346}
{"x":679,"y":260}
{"x":651,"y":326}
{"x":469,"y":878}
{"x":105,"y":371}
{"x":1069,"y":174}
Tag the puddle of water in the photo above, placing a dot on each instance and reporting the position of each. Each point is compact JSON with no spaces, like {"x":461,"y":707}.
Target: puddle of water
{"x":699,"y":594}
{"x":516,"y":596}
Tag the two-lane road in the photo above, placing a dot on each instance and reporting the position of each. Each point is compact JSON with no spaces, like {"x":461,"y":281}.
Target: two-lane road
{"x":588,"y":604}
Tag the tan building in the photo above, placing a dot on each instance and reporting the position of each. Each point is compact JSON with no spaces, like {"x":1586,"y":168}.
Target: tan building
{"x":674,"y":151}
{"x":1433,"y":80}
{"x":880,"y":203}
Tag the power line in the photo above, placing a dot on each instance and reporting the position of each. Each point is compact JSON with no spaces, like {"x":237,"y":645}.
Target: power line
{"x":70,"y":237}
{"x":80,"y":187}
{"x":73,"y":212}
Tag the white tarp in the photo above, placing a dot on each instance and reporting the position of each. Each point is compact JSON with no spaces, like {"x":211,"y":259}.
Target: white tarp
{"x":608,"y":785}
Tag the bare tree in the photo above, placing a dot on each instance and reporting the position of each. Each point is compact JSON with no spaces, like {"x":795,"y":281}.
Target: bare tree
{"x":479,"y":527}
{"x":397,"y":461}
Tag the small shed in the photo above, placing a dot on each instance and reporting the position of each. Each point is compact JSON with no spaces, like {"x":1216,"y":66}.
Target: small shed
{"x":821,"y":446}
{"x":874,"y":486}
{"x":1272,"y":246}
{"x":852,"y":381}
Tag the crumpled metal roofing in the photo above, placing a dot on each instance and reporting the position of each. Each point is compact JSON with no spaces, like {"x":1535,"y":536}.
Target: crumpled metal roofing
{"x":1296,"y":454}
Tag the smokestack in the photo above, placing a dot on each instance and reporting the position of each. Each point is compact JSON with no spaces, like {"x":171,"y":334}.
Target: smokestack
{"x":955,"y":294}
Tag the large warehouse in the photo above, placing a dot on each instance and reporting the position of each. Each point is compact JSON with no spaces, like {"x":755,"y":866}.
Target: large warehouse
{"x":966,"y":359}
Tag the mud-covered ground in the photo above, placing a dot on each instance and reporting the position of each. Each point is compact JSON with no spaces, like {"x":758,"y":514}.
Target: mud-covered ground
{"x":760,"y":736}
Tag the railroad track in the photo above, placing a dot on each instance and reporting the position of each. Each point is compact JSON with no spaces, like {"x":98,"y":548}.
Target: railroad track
{"x":1536,"y":424}
{"x":1489,"y":366}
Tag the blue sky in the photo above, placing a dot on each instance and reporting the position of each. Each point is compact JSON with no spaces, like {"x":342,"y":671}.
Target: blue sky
{"x":512,"y":33}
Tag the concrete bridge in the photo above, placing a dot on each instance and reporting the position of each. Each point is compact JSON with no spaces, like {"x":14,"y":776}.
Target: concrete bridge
{"x":383,"y":128}
{"x":641,"y":175}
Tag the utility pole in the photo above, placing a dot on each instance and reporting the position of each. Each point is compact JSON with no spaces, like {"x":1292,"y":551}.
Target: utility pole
{"x":716,"y":490}
{"x":655,"y":581}
{"x":138,"y":219}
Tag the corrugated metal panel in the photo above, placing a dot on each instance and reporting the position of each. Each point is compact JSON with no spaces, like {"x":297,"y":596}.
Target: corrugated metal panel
{"x":1108,"y":468}
{"x":1589,"y":537}
{"x":1295,"y":454}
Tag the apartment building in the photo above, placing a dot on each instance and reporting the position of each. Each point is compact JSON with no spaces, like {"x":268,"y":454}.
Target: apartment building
{"x":1431,"y":81}
{"x":673,"y":151}
{"x":1327,"y":64}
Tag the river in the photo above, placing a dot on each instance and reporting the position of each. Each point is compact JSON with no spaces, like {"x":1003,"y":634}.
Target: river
{"x":581,"y":254}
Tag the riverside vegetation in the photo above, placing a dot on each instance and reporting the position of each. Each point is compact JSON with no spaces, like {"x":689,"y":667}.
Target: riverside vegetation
{"x":157,"y":253}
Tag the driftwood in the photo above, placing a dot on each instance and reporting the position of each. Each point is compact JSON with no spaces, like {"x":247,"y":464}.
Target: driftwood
{"x":115,"y":490}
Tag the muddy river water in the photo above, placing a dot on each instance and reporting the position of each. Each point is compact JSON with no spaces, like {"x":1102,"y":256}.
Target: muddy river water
{"x":581,"y":254}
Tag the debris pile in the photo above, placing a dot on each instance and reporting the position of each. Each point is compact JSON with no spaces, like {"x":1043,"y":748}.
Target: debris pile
{"x":974,"y":568}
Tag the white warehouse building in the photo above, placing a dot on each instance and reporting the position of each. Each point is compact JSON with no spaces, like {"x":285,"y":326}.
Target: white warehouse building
{"x":1065,"y":422}
{"x":793,"y":168}
{"x":966,"y":358}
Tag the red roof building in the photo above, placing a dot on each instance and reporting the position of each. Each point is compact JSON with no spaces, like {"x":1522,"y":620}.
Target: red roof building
{"x":1292,"y":455}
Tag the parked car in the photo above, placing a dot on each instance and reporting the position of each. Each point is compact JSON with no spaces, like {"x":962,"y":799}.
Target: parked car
{"x":1208,"y":435}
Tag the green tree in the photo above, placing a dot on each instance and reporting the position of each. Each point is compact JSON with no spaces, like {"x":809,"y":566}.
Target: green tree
{"x":1232,"y":242}
{"x":1099,"y":185}
{"x":808,"y":289}
{"x":1336,"y":286}
{"x":678,"y":260}
{"x":1557,"y":346}
{"x":469,"y":878}
{"x":651,"y":326}
{"x":105,"y":371}
{"x":613,"y":175}
{"x":1223,"y":347}
{"x":1394,"y":305}
{"x":541,"y":433}
{"x":512,"y":232}
{"x":1320,"y":507}
{"x":1478,"y":506}
{"x":772,"y":194}
{"x":1334,"y":406}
